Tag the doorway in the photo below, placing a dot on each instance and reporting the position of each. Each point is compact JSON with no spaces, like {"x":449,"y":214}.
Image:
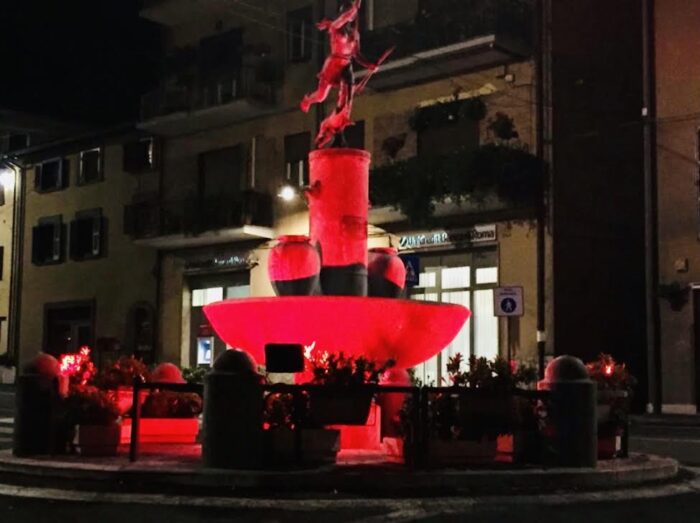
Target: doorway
{"x":68,"y":326}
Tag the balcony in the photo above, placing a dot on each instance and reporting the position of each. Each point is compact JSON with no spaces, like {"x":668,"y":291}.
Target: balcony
{"x":445,"y":40}
{"x":195,"y":222}
{"x":202,"y":102}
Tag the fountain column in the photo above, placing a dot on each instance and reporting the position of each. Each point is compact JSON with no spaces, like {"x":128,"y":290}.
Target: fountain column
{"x":338,"y":208}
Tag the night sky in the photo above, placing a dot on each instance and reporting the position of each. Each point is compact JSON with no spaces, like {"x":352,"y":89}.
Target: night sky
{"x":78,"y":60}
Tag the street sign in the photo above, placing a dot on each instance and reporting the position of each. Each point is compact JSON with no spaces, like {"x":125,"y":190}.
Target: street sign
{"x":412,"y":263}
{"x":508,"y":301}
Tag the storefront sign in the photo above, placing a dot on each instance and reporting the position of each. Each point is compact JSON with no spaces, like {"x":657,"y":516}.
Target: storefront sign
{"x":233,"y":261}
{"x":476,"y":234}
{"x":508,"y":301}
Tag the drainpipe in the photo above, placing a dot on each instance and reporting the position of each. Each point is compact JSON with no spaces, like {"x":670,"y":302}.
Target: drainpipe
{"x":651,"y":254}
{"x":14,"y":313}
{"x":542,"y":49}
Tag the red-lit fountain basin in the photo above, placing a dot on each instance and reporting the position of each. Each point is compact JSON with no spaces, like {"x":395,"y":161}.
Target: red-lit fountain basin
{"x":408,"y":331}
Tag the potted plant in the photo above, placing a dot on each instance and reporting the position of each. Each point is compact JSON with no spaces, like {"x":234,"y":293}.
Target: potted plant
{"x":470,"y":427}
{"x":318,"y":445}
{"x":118,"y":379}
{"x":615,"y":386}
{"x":96,"y":416}
{"x":167,"y":417}
{"x":344,"y":400}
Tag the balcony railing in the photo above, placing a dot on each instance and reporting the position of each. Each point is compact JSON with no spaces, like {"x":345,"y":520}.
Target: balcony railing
{"x":441,"y":23}
{"x":194,"y":216}
{"x":248,"y":82}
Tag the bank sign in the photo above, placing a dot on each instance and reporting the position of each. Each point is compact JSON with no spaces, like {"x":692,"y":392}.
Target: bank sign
{"x":424,"y":240}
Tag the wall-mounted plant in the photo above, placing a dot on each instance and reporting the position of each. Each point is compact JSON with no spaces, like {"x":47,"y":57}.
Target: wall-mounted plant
{"x":443,"y":113}
{"x":502,"y":127}
{"x":675,"y":293}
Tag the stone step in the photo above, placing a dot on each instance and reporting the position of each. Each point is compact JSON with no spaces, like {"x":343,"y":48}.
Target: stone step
{"x":666,"y":431}
{"x":685,"y":450}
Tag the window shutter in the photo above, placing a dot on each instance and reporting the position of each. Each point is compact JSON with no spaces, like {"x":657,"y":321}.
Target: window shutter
{"x":37,"y":176}
{"x":58,"y":236}
{"x":63,"y":174}
{"x":37,"y":256}
{"x":73,"y":241}
{"x":97,"y":230}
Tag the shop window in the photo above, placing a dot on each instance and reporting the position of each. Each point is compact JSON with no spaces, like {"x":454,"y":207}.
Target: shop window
{"x":88,"y":233}
{"x":90,"y":166}
{"x":487,"y":275}
{"x":296,"y":158}
{"x":48,"y":239}
{"x":202,"y":297}
{"x":448,"y":134}
{"x":51,"y":175}
{"x":300,"y":33}
{"x":139,"y":156}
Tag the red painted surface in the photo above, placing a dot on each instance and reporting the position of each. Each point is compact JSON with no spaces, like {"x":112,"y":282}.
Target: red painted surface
{"x":385,"y":262}
{"x":366,"y":437}
{"x":293,"y":258}
{"x":162,"y":430}
{"x":338,"y":205}
{"x":379,"y":328}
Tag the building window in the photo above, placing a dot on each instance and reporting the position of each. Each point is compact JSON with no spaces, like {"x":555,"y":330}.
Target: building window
{"x":51,"y":175}
{"x":68,"y":326}
{"x":466,"y":279}
{"x":296,"y":158}
{"x":48,"y":239}
{"x":299,"y":31}
{"x":139,"y":156}
{"x":90,"y":166}
{"x":88,"y":233}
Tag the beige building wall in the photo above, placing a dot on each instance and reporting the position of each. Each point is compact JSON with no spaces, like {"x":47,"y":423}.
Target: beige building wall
{"x":115,"y":282}
{"x":678,"y":115}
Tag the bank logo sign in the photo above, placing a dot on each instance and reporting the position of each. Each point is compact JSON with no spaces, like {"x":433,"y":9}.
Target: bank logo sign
{"x":423,"y":240}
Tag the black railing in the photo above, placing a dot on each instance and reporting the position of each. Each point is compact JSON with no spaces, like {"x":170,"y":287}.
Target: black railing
{"x":419,"y":416}
{"x":200,"y":91}
{"x":440,"y":23}
{"x":192,"y":216}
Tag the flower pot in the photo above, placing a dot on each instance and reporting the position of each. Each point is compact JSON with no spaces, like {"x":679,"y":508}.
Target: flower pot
{"x":123,"y":396}
{"x":386,"y":273}
{"x":294,"y":267}
{"x":163,"y":430}
{"x":317,"y":445}
{"x":339,"y":408}
{"x":99,"y":440}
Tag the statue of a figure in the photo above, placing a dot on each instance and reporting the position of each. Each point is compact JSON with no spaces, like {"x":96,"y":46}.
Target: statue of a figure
{"x":344,"y":35}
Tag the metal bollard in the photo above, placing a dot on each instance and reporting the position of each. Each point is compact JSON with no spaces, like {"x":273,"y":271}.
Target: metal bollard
{"x":37,"y":428}
{"x":233,"y":410}
{"x":572,"y":412}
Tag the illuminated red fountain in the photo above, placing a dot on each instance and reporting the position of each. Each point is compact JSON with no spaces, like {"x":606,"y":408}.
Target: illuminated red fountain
{"x":343,"y":318}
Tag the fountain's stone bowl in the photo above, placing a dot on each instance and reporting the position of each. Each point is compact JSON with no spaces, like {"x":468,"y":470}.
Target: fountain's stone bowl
{"x":408,"y":331}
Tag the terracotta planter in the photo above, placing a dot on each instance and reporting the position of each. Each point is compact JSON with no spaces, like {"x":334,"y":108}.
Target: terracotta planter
{"x":386,"y":273}
{"x":163,"y":430}
{"x":294,"y":267}
{"x":318,"y":446}
{"x":99,"y":440}
{"x":333,"y":408}
{"x":123,"y":396}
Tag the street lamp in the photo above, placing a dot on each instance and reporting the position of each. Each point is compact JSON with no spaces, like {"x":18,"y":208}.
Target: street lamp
{"x":287,"y":193}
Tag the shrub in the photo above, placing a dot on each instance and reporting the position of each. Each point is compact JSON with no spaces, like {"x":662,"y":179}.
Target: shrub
{"x":88,"y":405}
{"x":171,"y":404}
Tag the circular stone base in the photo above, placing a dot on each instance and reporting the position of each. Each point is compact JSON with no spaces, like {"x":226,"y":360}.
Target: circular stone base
{"x":183,"y":474}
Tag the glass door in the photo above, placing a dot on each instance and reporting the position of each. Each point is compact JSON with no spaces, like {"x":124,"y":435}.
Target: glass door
{"x":465,"y":279}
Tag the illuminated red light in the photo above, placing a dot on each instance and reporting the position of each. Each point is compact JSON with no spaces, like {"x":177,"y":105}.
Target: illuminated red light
{"x":408,"y":331}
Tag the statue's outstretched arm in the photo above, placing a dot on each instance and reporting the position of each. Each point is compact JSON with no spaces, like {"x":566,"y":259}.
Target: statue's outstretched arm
{"x":346,"y":16}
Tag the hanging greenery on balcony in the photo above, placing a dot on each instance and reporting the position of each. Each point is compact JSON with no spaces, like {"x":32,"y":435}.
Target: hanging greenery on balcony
{"x":416,"y":185}
{"x":447,"y":112}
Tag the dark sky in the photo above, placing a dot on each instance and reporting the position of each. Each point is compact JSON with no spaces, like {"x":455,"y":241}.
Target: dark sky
{"x":79,"y":60}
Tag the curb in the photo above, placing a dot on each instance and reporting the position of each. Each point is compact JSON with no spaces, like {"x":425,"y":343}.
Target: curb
{"x":158,"y":478}
{"x":444,"y":505}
